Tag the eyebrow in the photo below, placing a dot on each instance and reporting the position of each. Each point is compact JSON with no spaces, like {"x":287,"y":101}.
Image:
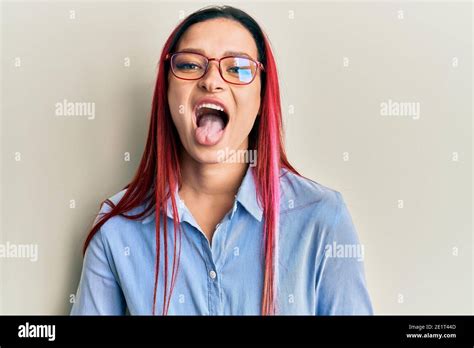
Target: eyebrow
{"x":226,"y":53}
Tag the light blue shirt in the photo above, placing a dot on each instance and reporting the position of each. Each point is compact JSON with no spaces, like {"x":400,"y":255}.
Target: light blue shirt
{"x":320,"y":272}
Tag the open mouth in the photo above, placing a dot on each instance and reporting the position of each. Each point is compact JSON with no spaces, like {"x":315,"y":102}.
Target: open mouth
{"x":211,"y":120}
{"x":206,"y":113}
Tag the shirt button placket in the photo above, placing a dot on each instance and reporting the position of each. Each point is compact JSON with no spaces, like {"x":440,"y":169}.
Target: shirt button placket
{"x":214,"y":286}
{"x":214,"y":293}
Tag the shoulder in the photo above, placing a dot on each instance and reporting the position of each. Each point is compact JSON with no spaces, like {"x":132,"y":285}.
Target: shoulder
{"x":317,"y":208}
{"x":107,"y":205}
{"x":117,"y":226}
{"x":299,"y":192}
{"x":115,"y":199}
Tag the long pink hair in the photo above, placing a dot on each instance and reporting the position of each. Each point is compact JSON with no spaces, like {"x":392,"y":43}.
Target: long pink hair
{"x":161,"y":156}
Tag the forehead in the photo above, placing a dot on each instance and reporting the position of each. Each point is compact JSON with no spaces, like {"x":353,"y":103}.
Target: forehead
{"x":216,"y":37}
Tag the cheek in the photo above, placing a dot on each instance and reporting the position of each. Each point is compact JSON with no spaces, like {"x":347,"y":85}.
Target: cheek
{"x":256,"y":92}
{"x":177,"y":95}
{"x":249,"y":104}
{"x":173,"y":97}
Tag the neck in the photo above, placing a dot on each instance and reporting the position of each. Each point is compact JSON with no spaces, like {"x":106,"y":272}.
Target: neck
{"x":217,"y":180}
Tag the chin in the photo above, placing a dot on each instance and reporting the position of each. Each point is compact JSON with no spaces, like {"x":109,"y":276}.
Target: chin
{"x":206,"y":155}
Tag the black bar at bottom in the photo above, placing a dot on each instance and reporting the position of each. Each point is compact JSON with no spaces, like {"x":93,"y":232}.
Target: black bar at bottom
{"x":193,"y":330}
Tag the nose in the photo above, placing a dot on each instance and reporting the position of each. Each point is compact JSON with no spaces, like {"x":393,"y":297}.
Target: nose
{"x":212,"y":81}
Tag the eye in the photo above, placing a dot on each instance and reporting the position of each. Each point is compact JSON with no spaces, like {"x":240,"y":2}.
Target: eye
{"x":188,"y":66}
{"x":234,"y":69}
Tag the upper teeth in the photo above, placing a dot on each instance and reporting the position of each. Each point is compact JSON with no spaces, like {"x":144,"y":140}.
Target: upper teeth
{"x":210,"y":106}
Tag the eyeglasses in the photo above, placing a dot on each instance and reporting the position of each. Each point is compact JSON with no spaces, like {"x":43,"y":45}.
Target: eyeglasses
{"x":237,"y":70}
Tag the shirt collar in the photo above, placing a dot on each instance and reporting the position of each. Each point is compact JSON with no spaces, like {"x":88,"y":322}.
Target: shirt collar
{"x":246,"y":196}
{"x":169,"y":207}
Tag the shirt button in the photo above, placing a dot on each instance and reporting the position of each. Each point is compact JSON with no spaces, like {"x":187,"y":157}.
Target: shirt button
{"x":212,"y":274}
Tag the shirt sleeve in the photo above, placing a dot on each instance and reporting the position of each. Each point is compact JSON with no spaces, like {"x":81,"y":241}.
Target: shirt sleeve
{"x":340,"y":279}
{"x":99,"y":292}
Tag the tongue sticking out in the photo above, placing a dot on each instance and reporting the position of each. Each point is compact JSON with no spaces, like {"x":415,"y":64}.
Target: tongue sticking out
{"x":210,"y":129}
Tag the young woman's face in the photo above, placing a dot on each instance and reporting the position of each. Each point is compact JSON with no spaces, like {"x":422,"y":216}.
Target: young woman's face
{"x":203,"y":139}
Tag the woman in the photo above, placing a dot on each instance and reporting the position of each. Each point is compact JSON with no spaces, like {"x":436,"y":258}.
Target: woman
{"x":200,"y":230}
